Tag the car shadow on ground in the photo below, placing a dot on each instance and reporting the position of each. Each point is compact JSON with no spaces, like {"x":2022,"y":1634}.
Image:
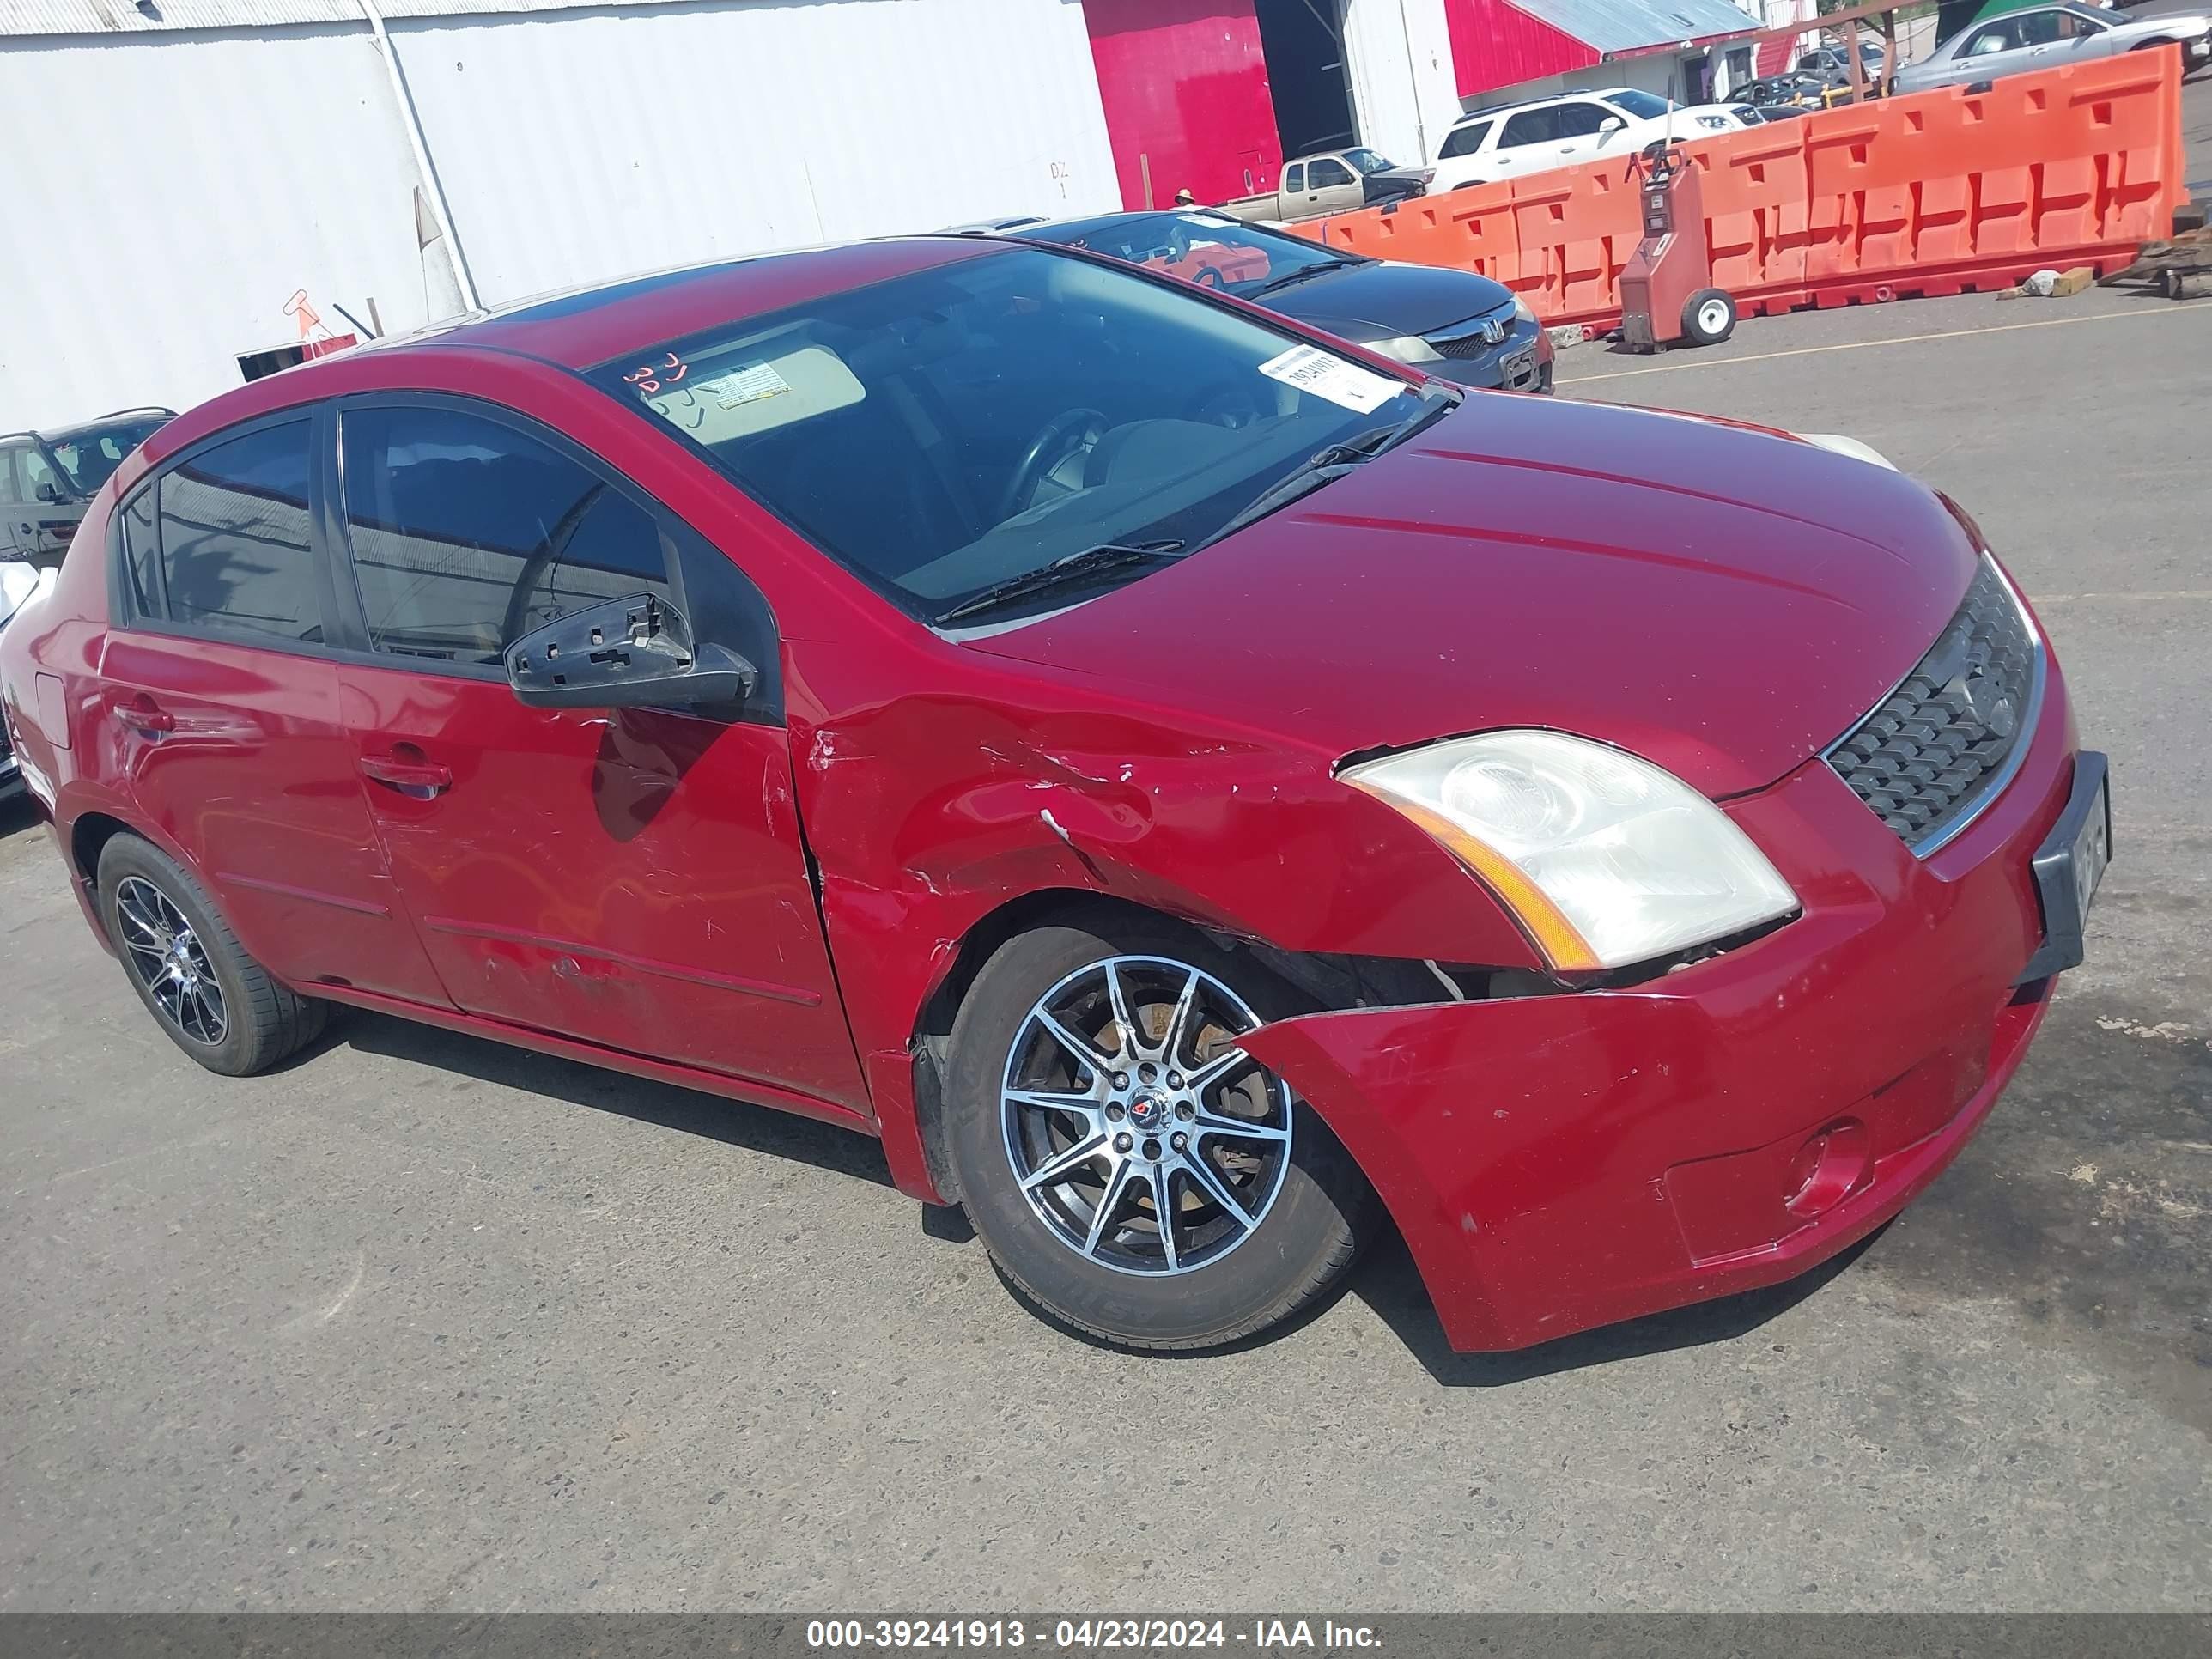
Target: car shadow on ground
{"x":1390,"y":1284}
{"x":735,"y":1123}
{"x":1387,"y":1281}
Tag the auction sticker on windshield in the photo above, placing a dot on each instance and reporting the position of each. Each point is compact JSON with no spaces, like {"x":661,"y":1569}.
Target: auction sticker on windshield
{"x":1327,"y":375}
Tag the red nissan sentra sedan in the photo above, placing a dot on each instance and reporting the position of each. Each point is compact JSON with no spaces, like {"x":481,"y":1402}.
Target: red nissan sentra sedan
{"x":1188,"y":786}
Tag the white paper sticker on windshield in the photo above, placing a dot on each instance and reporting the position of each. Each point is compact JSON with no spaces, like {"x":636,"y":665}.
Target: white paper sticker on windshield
{"x":745,"y":385}
{"x":1327,"y":375}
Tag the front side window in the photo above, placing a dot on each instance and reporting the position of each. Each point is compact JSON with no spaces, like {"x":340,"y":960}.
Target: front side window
{"x":235,"y":549}
{"x":2003,"y":37}
{"x":943,"y":432}
{"x":1327,"y":173}
{"x":466,"y":533}
{"x":40,"y":482}
{"x":1582,"y":121}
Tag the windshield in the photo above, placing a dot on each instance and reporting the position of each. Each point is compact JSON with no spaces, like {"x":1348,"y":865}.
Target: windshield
{"x":1367,"y":161}
{"x":1643,"y":106}
{"x":941,"y":432}
{"x":1207,"y":248}
{"x":87,"y":458}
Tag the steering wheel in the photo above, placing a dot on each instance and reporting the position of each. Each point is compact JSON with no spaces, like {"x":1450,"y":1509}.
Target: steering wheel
{"x":1062,"y":436}
{"x":1209,"y":277}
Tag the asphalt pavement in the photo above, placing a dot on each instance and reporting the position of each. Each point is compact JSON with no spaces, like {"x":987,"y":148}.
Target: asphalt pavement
{"x":423,"y":1322}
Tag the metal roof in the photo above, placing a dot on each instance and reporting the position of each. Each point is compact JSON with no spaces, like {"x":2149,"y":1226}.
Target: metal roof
{"x":47,"y":17}
{"x":1610,"y":25}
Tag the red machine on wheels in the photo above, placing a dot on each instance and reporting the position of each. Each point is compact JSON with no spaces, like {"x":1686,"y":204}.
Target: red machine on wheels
{"x":1665,"y":291}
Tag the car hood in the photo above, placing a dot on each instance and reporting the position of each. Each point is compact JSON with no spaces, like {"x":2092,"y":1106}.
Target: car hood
{"x":2176,"y":24}
{"x":1380,"y":299}
{"x":1723,"y":600}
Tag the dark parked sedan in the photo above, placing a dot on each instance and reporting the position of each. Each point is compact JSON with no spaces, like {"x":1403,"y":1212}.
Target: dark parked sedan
{"x":1454,"y":324}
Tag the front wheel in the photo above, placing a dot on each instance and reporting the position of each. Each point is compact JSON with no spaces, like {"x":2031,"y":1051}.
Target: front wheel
{"x":1708,"y":316}
{"x":1134,"y":1174}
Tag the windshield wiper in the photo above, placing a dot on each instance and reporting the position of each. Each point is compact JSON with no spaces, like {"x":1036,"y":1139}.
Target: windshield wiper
{"x":1326,"y":464}
{"x":1068,"y":569}
{"x":1285,"y":281}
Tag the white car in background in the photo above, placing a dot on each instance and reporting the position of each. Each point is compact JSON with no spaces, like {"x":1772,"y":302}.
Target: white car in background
{"x":1511,"y":140}
{"x":2051,"y":37}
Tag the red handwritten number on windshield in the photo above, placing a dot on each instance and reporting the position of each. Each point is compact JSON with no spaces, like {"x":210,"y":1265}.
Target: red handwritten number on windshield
{"x":653,"y":376}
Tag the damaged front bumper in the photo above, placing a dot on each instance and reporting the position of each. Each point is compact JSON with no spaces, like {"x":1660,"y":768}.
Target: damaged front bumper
{"x":1560,"y":1161}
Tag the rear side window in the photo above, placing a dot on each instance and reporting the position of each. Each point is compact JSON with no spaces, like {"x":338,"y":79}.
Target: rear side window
{"x":467,"y":534}
{"x":142,"y":552}
{"x":1294,"y":177}
{"x":1531,"y":127}
{"x":236,"y":551}
{"x":1464,"y":140}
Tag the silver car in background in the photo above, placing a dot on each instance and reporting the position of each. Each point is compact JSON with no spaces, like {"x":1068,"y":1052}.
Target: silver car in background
{"x":2048,"y":37}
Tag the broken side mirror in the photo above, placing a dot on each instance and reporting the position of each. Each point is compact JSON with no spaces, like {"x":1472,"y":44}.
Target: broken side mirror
{"x":631,"y":653}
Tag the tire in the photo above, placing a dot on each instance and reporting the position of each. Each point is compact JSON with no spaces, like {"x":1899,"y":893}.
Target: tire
{"x":220,"y":1007}
{"x":1302,"y":1206}
{"x":1708,"y":316}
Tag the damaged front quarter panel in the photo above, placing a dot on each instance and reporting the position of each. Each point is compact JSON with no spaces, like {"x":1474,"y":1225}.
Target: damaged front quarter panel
{"x":930,"y":815}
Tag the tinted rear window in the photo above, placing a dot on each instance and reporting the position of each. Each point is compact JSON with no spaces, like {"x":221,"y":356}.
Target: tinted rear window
{"x":235,"y":536}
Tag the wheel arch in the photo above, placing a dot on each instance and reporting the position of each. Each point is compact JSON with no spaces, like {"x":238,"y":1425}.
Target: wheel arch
{"x":1320,"y":982}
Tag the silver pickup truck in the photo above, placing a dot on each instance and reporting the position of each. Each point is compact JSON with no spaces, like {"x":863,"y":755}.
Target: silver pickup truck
{"x":1331,"y":181}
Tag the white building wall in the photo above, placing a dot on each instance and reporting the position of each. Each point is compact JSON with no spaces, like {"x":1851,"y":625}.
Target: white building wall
{"x":169,"y":193}
{"x":1403,"y":88}
{"x":574,"y":146}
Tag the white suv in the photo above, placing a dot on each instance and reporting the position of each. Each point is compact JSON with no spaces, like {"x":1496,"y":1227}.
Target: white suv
{"x":1515,"y":139}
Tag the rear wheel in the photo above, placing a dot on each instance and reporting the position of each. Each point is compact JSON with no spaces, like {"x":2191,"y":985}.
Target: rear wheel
{"x":1708,"y":316}
{"x":1133,"y":1172}
{"x":214,"y":1001}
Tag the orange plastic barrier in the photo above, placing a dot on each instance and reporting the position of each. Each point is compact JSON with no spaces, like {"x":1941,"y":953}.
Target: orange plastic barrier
{"x":1932,"y":193}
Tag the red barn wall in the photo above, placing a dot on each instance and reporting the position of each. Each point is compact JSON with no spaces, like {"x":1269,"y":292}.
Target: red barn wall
{"x":1495,"y":43}
{"x":1184,"y":83}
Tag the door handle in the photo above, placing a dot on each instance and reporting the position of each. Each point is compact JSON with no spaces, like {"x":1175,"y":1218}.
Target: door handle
{"x":425,"y":777}
{"x":143,"y":716}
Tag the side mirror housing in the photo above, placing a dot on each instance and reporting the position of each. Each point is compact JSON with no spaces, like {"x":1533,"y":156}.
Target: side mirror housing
{"x":49,"y":493}
{"x":632,"y":653}
{"x":1611,"y":125}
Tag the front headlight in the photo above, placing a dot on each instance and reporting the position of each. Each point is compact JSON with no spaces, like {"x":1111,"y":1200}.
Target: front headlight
{"x":1604,"y":858}
{"x":1407,"y":349}
{"x":1715,"y":123}
{"x":1522,"y":310}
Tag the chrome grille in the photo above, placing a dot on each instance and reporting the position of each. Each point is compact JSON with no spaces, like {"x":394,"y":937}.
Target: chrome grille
{"x":1940,"y":747}
{"x":1477,"y":339}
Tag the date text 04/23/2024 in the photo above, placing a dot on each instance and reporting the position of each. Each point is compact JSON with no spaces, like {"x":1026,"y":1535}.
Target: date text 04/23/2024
{"x":1257,"y":1635}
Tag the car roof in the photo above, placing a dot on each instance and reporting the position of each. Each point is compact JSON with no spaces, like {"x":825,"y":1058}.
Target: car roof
{"x":1491,"y":111}
{"x":1060,"y":230}
{"x":582,"y":327}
